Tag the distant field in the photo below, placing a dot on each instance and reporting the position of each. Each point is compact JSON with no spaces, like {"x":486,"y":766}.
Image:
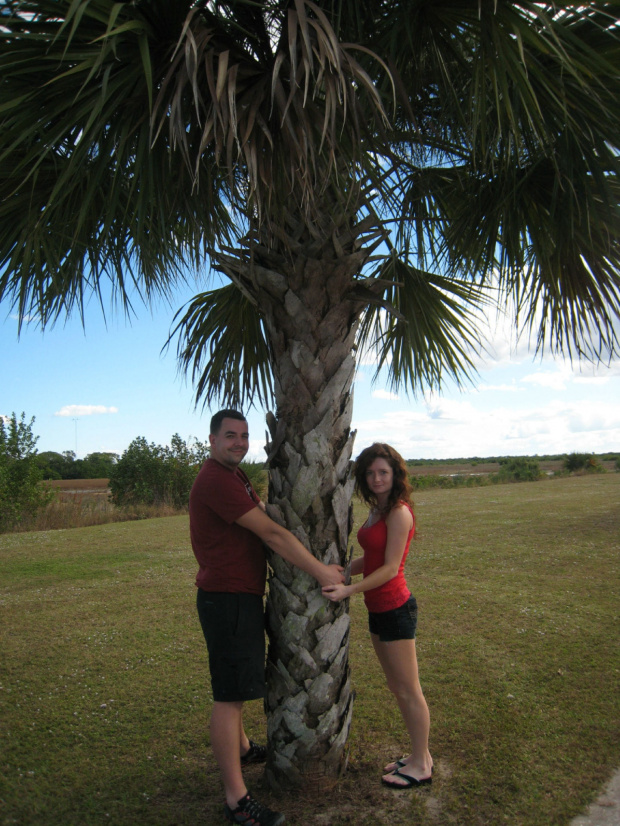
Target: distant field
{"x":79,"y":485}
{"x":83,"y":502}
{"x":80,"y":503}
{"x":465,"y":467}
{"x":435,"y":468}
{"x":448,"y":469}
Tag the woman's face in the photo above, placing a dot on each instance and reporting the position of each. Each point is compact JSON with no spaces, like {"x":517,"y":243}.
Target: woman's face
{"x":380,"y":477}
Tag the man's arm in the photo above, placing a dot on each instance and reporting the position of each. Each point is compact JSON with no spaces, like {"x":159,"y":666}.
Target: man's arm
{"x":289,"y":547}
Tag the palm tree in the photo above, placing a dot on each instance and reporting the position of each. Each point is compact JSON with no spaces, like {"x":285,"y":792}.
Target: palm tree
{"x":364,"y":175}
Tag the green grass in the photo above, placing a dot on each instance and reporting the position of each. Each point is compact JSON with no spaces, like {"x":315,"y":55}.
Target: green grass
{"x":105,"y":694}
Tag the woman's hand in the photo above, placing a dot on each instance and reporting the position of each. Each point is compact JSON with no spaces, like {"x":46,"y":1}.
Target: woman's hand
{"x":336,"y":592}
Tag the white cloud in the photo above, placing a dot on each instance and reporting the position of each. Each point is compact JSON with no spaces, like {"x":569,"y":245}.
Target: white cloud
{"x":452,"y":410}
{"x":501,"y":344}
{"x":84,"y":410}
{"x":592,"y":380}
{"x":499,"y":388}
{"x":551,"y":379}
{"x":384,"y":394}
{"x":566,"y":374}
{"x":612,"y":370}
{"x":596,"y":374}
{"x":256,"y":452}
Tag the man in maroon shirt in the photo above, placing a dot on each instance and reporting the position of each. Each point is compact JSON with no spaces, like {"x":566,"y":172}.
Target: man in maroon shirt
{"x":228,"y":526}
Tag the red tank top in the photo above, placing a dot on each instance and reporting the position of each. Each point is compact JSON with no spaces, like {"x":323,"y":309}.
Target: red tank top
{"x":393,"y":593}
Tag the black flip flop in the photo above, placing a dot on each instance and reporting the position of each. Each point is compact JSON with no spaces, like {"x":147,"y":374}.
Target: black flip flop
{"x":410,"y":782}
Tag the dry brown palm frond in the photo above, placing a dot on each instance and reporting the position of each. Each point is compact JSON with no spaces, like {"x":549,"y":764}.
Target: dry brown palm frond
{"x":282,"y":128}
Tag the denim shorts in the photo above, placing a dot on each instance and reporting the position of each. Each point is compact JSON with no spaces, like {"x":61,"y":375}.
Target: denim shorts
{"x":234,"y":630}
{"x":397,"y":624}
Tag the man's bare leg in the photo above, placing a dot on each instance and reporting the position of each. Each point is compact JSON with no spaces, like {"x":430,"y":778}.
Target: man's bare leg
{"x":226,"y":732}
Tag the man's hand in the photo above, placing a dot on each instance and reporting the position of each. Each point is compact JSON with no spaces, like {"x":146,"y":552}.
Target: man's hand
{"x":330,"y":575}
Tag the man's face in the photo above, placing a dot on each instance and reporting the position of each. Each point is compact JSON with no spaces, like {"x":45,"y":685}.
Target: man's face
{"x":231,"y":443}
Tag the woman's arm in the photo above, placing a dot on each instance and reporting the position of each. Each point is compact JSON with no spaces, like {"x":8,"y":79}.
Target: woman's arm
{"x":357,"y":566}
{"x":399,"y":522}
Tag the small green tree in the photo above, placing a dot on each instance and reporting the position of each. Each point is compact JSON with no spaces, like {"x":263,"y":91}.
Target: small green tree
{"x":150,"y":474}
{"x":181,"y":464}
{"x":21,"y":493}
{"x":138,"y":476}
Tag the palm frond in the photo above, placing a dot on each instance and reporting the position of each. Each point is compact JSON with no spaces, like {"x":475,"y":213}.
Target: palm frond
{"x":85,"y":194}
{"x":291,"y":118}
{"x":512,"y":172}
{"x":221,"y":339}
{"x":431,"y":336}
{"x":138,"y":138}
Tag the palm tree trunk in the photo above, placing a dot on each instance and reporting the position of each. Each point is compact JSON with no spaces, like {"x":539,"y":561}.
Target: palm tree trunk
{"x":310,"y":317}
{"x":309,"y":701}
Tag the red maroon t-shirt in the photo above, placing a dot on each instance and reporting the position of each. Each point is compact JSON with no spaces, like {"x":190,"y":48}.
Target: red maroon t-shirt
{"x":230,"y":557}
{"x":393,"y":593}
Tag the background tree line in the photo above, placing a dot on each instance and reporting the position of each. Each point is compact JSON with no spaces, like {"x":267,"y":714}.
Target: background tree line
{"x":145,"y":473}
{"x":66,"y":465}
{"x":151,"y":474}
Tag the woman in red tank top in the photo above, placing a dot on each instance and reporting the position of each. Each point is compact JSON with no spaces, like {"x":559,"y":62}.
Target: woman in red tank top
{"x":381,"y":478}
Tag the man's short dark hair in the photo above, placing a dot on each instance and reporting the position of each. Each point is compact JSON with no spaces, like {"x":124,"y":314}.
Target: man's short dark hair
{"x":218,"y":418}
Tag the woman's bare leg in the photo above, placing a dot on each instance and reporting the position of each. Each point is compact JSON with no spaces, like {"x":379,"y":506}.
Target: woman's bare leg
{"x":400,"y":666}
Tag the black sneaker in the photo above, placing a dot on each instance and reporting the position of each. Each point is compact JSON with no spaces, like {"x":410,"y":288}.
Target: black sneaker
{"x":255,"y":754}
{"x":250,"y":813}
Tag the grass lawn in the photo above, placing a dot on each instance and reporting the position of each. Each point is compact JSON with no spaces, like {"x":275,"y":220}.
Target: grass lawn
{"x":104,"y":690}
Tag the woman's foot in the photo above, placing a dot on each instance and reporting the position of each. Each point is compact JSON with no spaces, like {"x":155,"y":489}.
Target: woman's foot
{"x":399,"y":779}
{"x":397,"y":765}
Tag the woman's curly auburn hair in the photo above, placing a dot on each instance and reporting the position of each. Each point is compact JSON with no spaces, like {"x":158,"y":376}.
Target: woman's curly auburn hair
{"x":401,"y":488}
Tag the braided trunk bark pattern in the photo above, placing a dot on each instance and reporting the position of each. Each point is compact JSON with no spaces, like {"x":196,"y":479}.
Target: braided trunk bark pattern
{"x":309,"y":701}
{"x":310,"y":318}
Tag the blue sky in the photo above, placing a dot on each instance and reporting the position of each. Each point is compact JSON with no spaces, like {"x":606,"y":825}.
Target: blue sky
{"x":99,"y":388}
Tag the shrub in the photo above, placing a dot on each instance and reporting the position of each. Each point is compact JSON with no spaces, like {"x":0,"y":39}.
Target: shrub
{"x":518,"y":469}
{"x":457,"y":480}
{"x":150,"y":474}
{"x":21,"y":492}
{"x":582,"y":461}
{"x":257,"y":474}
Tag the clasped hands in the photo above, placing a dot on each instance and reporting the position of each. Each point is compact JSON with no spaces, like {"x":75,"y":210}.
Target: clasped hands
{"x":333,"y":583}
